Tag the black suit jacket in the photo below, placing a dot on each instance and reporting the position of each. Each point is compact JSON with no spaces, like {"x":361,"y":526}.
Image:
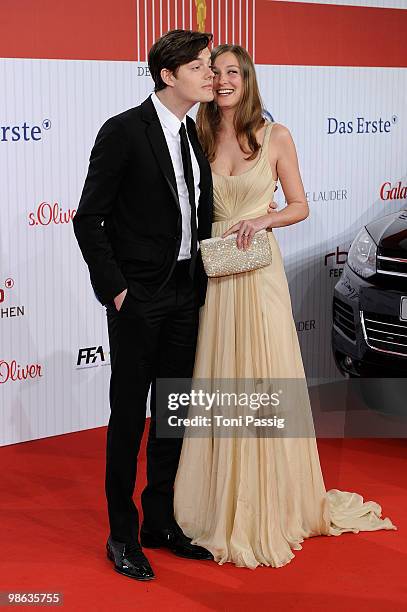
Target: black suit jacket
{"x":128,"y":223}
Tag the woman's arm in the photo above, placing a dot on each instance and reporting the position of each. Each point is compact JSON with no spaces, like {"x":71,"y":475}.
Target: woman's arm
{"x":281,"y":145}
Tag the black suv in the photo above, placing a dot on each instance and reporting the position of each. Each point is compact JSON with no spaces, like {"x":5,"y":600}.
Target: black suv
{"x":369,"y":333}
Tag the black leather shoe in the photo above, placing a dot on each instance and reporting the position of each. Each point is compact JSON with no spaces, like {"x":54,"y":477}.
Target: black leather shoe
{"x":175,"y":540}
{"x":129,"y":560}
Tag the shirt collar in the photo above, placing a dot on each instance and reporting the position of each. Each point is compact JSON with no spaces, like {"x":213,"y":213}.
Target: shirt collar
{"x":166,"y":117}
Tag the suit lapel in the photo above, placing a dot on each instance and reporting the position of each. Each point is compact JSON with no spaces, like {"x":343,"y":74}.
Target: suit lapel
{"x":199,"y":154}
{"x":205,"y":184}
{"x":159,"y":146}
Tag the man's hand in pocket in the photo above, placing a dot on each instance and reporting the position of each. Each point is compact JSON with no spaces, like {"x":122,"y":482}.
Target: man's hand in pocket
{"x":119,"y":299}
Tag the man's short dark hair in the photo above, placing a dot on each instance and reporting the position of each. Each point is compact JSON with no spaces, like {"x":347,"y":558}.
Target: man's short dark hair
{"x":174,"y":49}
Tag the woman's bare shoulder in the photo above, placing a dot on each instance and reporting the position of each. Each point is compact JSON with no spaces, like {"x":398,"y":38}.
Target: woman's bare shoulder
{"x":280,"y":132}
{"x":281,"y":142}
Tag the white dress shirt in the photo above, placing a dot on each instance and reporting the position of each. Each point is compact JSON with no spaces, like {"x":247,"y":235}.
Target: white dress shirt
{"x":171,"y":126}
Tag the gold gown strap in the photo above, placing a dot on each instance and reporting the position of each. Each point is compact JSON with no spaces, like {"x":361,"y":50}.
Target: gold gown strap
{"x":266,"y":138}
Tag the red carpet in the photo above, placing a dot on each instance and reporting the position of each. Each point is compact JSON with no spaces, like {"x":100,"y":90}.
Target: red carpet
{"x":54,"y":527}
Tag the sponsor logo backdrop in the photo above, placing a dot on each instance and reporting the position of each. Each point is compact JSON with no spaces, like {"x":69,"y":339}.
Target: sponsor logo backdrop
{"x":348,"y":121}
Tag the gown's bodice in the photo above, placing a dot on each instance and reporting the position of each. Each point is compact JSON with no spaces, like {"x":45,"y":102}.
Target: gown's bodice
{"x":246,"y":195}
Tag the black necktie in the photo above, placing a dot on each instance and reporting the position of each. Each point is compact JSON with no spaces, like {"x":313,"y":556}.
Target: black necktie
{"x":189,"y":179}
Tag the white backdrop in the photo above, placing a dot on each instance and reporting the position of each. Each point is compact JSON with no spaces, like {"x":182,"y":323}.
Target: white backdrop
{"x":54,"y":354}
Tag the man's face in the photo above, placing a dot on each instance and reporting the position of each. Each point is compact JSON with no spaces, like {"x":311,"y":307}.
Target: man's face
{"x":193,"y":81}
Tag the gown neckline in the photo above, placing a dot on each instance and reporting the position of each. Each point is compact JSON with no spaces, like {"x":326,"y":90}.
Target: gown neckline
{"x":254,"y":166}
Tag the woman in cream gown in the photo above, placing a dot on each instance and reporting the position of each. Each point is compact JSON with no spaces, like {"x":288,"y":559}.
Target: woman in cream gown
{"x":248,"y":500}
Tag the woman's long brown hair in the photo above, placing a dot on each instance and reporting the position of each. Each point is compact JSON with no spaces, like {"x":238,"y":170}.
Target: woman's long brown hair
{"x":248,"y":117}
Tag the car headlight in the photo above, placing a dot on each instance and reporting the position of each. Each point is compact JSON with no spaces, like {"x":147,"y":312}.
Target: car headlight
{"x":362,"y":254}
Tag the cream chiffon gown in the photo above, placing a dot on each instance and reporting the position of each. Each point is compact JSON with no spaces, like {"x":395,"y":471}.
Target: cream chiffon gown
{"x":252,"y":501}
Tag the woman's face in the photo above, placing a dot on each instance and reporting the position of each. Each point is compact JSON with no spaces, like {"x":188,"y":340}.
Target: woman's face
{"x":227,"y":81}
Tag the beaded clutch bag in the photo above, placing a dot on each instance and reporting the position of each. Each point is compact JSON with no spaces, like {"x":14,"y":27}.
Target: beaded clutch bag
{"x":221,"y":256}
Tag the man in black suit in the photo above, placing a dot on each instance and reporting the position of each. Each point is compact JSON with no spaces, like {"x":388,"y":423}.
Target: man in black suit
{"x":146,"y":203}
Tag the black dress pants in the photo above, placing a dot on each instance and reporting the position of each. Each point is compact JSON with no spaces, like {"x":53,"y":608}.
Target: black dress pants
{"x":148,"y":340}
